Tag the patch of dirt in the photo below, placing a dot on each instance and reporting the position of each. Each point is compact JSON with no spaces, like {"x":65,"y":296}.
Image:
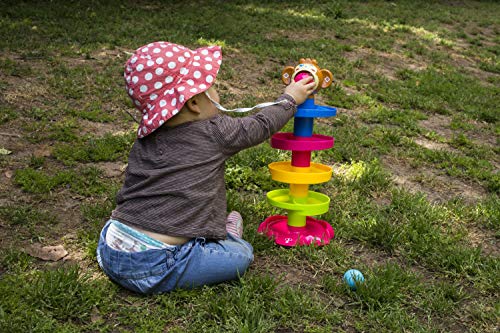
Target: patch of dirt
{"x":11,"y":140}
{"x":67,"y":216}
{"x":368,"y":256}
{"x":25,"y":93}
{"x":436,"y":186}
{"x":384,"y":63}
{"x":115,"y":53}
{"x":306,"y":35}
{"x":22,"y":150}
{"x":252,"y":78}
{"x":292,"y":274}
{"x":486,"y":239}
{"x":99,"y":129}
{"x":470,"y":66}
{"x":481,"y":133}
{"x":111,"y":169}
{"x":439,"y":124}
{"x":432,"y":145}
{"x":460,"y":58}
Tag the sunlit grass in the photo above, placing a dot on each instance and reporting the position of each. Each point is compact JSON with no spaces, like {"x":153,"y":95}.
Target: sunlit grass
{"x":389,"y":27}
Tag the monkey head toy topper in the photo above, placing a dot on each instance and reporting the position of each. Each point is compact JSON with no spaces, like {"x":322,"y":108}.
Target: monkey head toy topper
{"x":307,"y":67}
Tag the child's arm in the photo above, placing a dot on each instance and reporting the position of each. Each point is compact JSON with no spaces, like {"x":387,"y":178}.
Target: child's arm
{"x":235,"y":134}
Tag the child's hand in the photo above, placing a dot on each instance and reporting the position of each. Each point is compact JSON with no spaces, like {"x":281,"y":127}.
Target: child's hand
{"x":300,"y":90}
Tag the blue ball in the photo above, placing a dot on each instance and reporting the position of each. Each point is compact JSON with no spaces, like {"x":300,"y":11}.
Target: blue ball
{"x":352,"y":276}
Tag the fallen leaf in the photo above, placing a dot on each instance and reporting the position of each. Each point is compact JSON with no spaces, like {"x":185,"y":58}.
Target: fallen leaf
{"x":4,"y":151}
{"x":52,"y":253}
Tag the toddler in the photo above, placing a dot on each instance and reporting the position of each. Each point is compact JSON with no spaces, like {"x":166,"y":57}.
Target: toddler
{"x":169,"y":229}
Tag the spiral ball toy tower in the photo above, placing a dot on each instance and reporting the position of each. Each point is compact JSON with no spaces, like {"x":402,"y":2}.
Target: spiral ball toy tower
{"x":298,"y":228}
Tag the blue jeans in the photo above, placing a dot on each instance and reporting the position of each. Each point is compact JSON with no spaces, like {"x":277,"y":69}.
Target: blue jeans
{"x":196,"y":263}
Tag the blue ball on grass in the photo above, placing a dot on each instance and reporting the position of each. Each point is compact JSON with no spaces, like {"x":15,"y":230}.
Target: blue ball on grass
{"x":352,"y":276}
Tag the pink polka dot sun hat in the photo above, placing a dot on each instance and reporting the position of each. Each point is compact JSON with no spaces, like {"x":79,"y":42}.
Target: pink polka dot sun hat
{"x":160,"y":77}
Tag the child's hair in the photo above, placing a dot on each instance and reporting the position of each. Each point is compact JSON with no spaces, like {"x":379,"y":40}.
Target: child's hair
{"x":160,"y":77}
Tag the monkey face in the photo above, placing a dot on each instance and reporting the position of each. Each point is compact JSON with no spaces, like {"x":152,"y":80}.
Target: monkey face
{"x":307,"y":67}
{"x":303,"y":70}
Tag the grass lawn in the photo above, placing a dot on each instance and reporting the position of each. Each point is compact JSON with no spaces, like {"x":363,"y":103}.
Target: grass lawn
{"x":414,"y":197}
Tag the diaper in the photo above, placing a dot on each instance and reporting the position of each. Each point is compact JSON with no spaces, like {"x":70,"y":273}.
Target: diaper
{"x":121,"y":237}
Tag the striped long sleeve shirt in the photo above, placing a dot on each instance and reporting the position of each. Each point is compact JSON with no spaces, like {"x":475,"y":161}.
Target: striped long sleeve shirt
{"x":174,"y":181}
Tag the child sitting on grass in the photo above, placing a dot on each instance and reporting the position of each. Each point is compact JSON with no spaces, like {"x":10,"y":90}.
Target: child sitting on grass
{"x":170,"y":229}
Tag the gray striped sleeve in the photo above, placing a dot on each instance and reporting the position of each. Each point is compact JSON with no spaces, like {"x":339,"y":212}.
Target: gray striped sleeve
{"x":235,"y":134}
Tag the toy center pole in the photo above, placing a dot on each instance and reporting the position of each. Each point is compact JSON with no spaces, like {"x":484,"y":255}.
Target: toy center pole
{"x":302,"y":127}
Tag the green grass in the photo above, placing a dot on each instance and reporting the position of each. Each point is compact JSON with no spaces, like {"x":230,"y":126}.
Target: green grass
{"x":86,"y":181}
{"x":93,"y":111}
{"x":7,"y":114}
{"x":404,"y":73}
{"x":94,"y":149}
{"x":28,"y":222}
{"x":440,"y":91}
{"x":36,"y":302}
{"x":93,"y":214}
{"x":457,"y":165}
{"x":25,"y":215}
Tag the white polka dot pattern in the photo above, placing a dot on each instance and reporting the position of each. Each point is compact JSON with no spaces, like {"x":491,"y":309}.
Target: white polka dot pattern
{"x":160,"y":77}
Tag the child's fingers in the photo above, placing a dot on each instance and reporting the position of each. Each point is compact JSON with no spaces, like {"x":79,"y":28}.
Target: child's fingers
{"x":306,"y":80}
{"x":310,"y":86}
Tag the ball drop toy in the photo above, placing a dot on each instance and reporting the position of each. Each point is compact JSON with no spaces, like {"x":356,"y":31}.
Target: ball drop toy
{"x":298,"y":227}
{"x":353,"y":276}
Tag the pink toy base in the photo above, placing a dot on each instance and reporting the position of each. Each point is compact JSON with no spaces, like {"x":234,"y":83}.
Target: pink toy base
{"x":315,"y":231}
